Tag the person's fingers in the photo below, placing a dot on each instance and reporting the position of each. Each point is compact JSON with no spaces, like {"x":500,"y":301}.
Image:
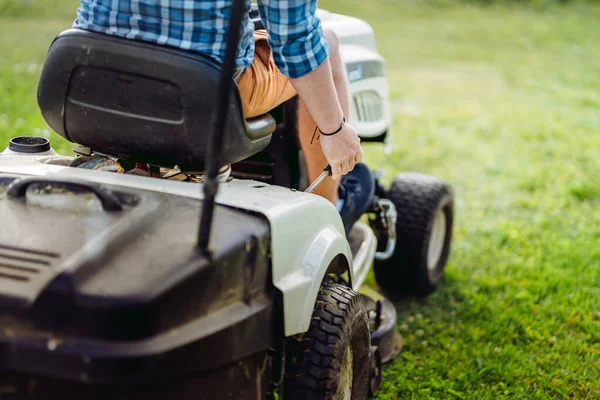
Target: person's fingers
{"x":358,"y":157}
{"x":336,"y":171}
{"x":344,"y":168}
{"x":351,"y":165}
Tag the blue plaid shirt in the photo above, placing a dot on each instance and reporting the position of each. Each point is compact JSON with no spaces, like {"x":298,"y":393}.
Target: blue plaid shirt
{"x":295,"y":32}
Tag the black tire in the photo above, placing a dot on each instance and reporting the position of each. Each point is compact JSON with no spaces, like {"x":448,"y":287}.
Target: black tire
{"x":418,"y":200}
{"x":314,"y":360}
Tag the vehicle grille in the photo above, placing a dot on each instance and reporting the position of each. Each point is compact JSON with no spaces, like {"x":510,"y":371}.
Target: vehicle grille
{"x":23,"y":265}
{"x":369,"y":106}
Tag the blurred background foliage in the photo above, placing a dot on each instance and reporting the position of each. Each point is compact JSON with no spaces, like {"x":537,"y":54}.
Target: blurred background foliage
{"x":38,"y":8}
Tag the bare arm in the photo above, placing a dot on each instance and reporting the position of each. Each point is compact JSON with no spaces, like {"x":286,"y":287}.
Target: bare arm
{"x":318,"y":92}
{"x":301,"y":51}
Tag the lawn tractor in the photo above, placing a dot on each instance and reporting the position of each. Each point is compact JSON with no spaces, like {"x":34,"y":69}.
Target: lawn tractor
{"x":176,"y":254}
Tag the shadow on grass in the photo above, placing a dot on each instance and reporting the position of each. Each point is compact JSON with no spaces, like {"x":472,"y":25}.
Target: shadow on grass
{"x":447,"y":293}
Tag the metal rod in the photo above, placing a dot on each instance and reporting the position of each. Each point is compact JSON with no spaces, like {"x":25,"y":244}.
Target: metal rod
{"x":215,"y":139}
{"x":326,"y":172}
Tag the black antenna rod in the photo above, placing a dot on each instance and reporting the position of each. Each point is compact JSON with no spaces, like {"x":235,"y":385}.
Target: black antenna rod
{"x":215,"y":139}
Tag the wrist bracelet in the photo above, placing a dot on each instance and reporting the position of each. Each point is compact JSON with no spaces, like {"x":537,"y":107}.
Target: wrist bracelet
{"x":333,"y":133}
{"x":327,"y":134}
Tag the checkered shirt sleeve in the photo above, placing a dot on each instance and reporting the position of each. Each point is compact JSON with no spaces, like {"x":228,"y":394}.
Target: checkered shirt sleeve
{"x":295,"y":35}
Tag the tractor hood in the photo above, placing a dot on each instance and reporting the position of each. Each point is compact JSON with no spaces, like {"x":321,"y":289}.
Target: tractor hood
{"x":145,"y":253}
{"x":85,"y":266}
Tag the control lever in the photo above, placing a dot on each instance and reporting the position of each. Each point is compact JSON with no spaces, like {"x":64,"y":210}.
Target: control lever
{"x":326,"y":172}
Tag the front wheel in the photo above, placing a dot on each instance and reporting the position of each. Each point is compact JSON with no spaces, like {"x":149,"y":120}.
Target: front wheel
{"x":331,"y":361}
{"x":425,"y":210}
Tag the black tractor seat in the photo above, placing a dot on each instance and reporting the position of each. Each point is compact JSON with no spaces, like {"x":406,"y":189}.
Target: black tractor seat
{"x":142,"y":102}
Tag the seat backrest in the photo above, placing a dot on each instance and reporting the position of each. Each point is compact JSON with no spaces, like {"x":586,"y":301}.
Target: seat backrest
{"x":142,"y":102}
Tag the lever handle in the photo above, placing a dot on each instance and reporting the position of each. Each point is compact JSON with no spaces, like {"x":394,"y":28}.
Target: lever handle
{"x":321,"y":178}
{"x":110,"y":202}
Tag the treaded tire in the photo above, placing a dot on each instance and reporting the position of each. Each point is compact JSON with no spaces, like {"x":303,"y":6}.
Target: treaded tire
{"x":418,"y":199}
{"x":314,"y":360}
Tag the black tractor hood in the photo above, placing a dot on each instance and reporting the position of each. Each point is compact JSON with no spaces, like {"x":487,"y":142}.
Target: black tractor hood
{"x":74,"y":273}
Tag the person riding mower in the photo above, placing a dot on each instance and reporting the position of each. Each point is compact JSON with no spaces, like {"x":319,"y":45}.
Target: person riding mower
{"x":177,"y":254}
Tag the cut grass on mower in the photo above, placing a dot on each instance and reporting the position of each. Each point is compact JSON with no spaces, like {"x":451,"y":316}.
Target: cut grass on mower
{"x":503,"y":103}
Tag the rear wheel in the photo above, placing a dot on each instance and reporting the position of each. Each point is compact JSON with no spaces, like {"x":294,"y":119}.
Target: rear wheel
{"x":331,"y":360}
{"x":423,"y":235}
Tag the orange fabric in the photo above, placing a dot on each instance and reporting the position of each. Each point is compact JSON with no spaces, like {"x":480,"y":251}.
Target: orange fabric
{"x":262,"y":86}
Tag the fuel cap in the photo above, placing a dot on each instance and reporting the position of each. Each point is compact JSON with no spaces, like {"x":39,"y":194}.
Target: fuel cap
{"x":29,"y":144}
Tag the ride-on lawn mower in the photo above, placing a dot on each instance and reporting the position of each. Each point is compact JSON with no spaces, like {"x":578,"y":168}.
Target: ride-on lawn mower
{"x":177,"y":256}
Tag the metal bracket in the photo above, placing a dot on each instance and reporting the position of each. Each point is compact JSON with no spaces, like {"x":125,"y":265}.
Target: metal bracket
{"x":388,"y":217}
{"x":375,"y":371}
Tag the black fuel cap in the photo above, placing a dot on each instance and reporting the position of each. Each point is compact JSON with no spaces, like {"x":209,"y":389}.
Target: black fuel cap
{"x":29,"y":144}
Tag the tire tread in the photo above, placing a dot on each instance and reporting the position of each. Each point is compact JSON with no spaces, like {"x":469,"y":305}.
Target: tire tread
{"x":315,"y":370}
{"x":416,"y":197}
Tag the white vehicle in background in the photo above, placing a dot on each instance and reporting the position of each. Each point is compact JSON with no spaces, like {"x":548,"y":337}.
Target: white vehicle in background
{"x":370,"y":110}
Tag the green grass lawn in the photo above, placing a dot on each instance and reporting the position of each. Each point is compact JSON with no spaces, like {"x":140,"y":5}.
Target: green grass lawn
{"x":504,"y":103}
